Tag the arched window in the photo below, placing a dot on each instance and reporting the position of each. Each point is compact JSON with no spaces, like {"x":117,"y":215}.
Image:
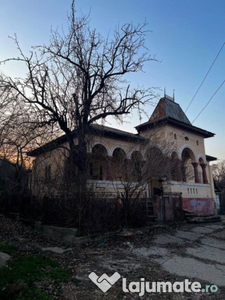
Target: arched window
{"x":157,"y":163}
{"x":118,"y":164}
{"x":98,"y":163}
{"x":175,"y":167}
{"x":187,"y":167}
{"x":136,"y":165}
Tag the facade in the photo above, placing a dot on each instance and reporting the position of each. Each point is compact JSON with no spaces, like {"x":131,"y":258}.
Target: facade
{"x":165,"y":157}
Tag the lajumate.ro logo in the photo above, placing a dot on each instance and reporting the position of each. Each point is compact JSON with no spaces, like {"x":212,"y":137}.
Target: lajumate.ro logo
{"x":105,"y":282}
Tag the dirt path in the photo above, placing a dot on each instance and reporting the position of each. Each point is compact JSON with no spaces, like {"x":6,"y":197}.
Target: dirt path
{"x":159,"y":254}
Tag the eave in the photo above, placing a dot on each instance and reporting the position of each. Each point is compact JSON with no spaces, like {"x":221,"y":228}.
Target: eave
{"x":96,"y":130}
{"x":176,"y":123}
{"x":211,"y":158}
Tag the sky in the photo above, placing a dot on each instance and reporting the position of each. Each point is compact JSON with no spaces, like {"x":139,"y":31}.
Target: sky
{"x":186,"y":37}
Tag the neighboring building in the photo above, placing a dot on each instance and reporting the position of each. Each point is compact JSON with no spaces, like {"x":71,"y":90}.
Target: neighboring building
{"x":168,"y":147}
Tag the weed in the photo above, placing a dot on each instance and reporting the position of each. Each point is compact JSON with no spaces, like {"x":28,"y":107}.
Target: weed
{"x":7,"y":248}
{"x":33,"y":293}
{"x":24,"y":271}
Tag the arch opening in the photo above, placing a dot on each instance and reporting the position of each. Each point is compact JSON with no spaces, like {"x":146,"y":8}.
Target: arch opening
{"x":98,"y":163}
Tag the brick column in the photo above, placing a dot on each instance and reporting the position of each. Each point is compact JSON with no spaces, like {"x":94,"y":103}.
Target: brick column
{"x":205,"y":179}
{"x":195,"y":165}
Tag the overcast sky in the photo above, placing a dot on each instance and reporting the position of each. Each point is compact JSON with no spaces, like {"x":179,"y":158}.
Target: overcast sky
{"x":187,"y":37}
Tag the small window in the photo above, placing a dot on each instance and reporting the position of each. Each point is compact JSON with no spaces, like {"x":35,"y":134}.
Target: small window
{"x":175,"y":136}
{"x":188,"y":190}
{"x":186,"y":138}
{"x":197,"y":143}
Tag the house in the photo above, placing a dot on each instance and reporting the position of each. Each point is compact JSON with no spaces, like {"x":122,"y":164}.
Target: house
{"x":165,"y":157}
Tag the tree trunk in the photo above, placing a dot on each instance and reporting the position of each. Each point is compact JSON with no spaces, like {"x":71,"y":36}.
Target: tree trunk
{"x":78,"y":181}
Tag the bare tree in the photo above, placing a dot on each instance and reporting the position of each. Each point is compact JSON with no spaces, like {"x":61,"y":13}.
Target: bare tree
{"x":150,"y":161}
{"x":79,"y":78}
{"x":19,"y":130}
{"x":218,"y":171}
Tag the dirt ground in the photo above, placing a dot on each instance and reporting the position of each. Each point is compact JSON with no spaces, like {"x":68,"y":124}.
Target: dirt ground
{"x":160,"y":253}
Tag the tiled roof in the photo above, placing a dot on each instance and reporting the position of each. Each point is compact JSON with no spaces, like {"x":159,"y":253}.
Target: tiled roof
{"x":95,"y":129}
{"x":106,"y":131}
{"x":169,"y":112}
{"x":168,"y":108}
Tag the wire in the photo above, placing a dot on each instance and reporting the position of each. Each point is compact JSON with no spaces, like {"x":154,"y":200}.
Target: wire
{"x":209,"y":100}
{"x":205,"y":76}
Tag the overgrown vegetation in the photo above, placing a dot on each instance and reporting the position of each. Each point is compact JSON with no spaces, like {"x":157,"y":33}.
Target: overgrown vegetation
{"x":17,"y":280}
{"x":13,"y":185}
{"x":7,"y":248}
{"x":219,"y":180}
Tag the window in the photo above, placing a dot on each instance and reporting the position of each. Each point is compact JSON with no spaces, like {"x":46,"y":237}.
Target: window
{"x":175,"y":136}
{"x":192,"y":191}
{"x":186,"y":138}
{"x":197,"y":143}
